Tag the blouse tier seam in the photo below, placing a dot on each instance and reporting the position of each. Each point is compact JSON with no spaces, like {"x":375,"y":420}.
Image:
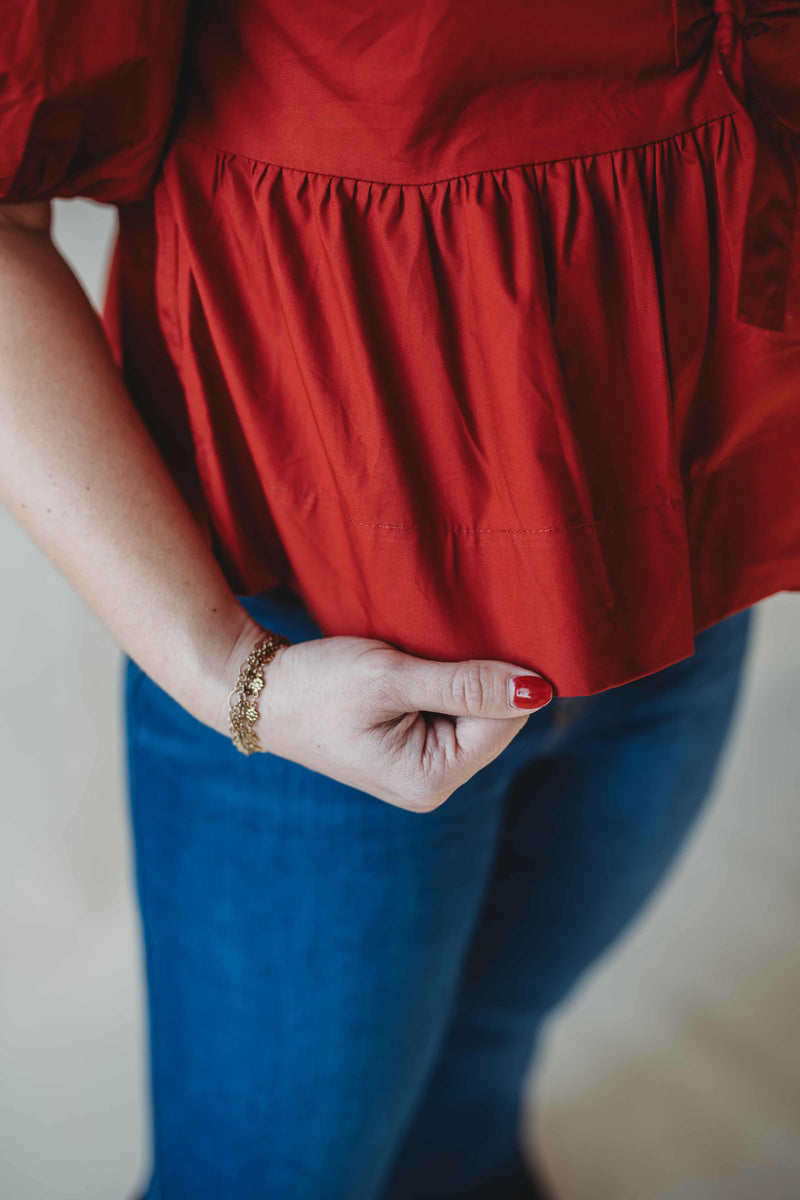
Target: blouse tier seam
{"x":677,"y":500}
{"x":262,"y":162}
{"x":445,"y":528}
{"x":688,"y":481}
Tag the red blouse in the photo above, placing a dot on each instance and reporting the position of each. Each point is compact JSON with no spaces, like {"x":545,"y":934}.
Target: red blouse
{"x":477,"y":322}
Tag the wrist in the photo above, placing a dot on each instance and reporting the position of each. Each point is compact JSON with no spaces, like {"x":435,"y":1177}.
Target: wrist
{"x":242,"y":644}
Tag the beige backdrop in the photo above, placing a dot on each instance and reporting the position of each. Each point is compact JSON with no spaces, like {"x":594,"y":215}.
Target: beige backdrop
{"x":673,"y":1075}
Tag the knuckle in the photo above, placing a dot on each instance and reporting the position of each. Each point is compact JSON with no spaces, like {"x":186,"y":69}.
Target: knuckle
{"x":471,"y":686}
{"x":424,"y":798}
{"x":378,"y":660}
{"x":425,"y":804}
{"x":420,"y":795}
{"x":375,"y":678}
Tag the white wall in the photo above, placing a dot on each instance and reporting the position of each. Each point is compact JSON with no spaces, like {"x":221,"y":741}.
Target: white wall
{"x":674,"y":1074}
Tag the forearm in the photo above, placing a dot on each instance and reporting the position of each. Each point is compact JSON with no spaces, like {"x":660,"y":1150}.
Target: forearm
{"x":82,"y":476}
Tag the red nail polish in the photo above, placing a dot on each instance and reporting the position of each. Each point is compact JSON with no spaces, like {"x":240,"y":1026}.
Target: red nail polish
{"x":530,"y":691}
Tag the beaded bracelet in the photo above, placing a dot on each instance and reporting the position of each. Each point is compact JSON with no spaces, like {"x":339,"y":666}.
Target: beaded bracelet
{"x":244,"y":697}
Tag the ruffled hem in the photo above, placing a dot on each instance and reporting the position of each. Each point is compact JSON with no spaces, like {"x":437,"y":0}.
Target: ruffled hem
{"x":510,"y":414}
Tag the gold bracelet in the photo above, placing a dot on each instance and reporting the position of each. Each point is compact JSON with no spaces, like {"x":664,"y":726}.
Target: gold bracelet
{"x":244,"y":697}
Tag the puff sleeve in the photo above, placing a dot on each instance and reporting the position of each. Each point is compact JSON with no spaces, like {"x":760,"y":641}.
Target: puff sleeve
{"x":87,"y":90}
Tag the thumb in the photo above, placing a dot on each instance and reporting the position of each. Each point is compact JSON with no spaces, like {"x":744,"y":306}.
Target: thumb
{"x":472,"y":688}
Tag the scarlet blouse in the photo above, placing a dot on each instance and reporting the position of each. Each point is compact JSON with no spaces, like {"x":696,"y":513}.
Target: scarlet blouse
{"x":477,"y":322}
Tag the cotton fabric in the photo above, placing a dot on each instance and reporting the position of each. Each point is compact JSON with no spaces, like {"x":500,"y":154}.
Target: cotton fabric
{"x":476,"y":324}
{"x":344,"y":996}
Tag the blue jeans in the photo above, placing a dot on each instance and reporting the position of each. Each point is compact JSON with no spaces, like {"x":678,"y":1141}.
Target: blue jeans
{"x":344,"y":997}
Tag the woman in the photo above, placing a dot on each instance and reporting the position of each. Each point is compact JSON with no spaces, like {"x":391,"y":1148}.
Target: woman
{"x":458,"y":347}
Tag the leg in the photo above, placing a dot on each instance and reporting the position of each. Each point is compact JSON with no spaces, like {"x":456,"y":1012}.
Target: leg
{"x":591,"y":822}
{"x":303,"y":944}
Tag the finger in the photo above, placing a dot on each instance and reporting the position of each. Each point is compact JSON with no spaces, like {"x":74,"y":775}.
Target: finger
{"x":471,"y":688}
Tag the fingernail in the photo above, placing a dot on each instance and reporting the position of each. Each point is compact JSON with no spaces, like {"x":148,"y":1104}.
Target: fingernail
{"x":529,"y":691}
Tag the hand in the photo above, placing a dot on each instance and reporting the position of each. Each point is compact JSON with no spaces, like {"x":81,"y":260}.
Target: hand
{"x":406,"y":730}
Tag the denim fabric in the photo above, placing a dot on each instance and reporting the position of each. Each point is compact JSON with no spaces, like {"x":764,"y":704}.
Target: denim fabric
{"x":344,"y":997}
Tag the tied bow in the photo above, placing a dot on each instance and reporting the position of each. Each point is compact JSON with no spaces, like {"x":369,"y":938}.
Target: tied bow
{"x":771,"y":214}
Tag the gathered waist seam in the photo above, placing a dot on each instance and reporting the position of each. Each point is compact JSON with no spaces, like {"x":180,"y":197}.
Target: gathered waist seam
{"x":184,"y":137}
